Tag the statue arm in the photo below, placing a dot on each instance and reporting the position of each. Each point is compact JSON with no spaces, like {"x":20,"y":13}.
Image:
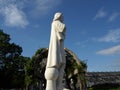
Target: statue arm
{"x":60,"y":29}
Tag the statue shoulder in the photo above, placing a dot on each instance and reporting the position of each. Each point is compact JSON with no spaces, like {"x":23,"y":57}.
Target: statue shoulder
{"x":58,"y":23}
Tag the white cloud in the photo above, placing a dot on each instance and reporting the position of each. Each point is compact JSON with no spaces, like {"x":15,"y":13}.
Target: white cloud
{"x":41,"y":7}
{"x":111,"y":36}
{"x":45,"y":4}
{"x":100,"y":14}
{"x":110,"y":51}
{"x":13,"y":15}
{"x":113,"y":17}
{"x":13,"y":10}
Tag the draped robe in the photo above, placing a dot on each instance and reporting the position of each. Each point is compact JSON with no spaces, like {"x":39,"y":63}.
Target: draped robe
{"x":56,"y":53}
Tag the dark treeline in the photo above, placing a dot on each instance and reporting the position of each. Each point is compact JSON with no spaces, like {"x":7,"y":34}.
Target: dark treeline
{"x":12,"y":63}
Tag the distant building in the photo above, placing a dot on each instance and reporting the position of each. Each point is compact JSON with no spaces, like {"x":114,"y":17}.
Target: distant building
{"x":95,"y":78}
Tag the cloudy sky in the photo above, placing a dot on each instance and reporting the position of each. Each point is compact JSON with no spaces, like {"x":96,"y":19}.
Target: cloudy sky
{"x":93,"y":28}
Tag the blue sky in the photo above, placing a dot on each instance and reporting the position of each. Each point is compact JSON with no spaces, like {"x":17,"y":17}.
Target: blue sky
{"x":93,"y":28}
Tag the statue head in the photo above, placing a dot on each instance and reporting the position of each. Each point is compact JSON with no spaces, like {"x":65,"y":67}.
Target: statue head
{"x":58,"y":16}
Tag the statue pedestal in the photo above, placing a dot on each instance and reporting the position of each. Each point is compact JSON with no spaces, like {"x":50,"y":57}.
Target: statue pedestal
{"x":51,"y":85}
{"x":51,"y":75}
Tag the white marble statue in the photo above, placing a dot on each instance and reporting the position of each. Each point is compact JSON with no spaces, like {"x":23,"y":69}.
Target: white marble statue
{"x":56,"y":55}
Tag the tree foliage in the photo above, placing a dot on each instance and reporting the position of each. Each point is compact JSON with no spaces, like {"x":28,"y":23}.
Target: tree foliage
{"x":12,"y":64}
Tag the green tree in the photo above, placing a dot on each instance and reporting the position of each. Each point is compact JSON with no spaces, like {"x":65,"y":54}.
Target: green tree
{"x":34,"y":70}
{"x":11,"y":63}
{"x":29,"y":73}
{"x":39,"y":61}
